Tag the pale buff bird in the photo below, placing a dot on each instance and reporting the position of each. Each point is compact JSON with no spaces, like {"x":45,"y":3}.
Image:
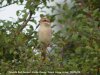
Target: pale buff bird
{"x":44,"y":35}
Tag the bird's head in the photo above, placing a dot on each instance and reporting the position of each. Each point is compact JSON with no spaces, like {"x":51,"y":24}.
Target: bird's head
{"x":44,"y":21}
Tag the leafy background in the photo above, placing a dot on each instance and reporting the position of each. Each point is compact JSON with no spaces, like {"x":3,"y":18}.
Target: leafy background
{"x":75,"y":46}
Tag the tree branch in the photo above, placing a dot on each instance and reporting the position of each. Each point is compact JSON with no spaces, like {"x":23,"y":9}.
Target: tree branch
{"x":25,"y":21}
{"x":7,"y":4}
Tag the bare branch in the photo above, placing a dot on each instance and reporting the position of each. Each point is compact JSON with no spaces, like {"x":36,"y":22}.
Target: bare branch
{"x":25,"y":22}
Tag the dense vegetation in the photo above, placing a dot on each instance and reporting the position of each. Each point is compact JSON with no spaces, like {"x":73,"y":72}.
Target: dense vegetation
{"x":75,"y":47}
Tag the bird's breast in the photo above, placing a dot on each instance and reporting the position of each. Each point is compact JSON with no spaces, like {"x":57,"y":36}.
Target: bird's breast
{"x":45,"y":34}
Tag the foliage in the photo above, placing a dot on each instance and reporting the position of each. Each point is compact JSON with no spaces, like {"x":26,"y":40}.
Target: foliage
{"x":75,"y":47}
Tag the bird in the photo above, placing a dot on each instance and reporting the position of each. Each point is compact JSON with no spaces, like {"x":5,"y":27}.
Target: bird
{"x":44,"y":35}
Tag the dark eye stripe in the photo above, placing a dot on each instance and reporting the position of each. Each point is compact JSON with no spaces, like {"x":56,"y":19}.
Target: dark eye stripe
{"x":45,"y":21}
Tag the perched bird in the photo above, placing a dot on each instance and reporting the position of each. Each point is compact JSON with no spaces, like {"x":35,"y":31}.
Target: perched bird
{"x":44,"y":35}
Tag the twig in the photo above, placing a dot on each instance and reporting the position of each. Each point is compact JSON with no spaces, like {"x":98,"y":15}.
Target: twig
{"x":7,"y":4}
{"x":25,"y":22}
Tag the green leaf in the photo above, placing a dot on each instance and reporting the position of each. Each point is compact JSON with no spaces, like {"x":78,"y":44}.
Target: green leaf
{"x":9,"y":1}
{"x":31,"y":27}
{"x":44,"y":2}
{"x":21,"y":1}
{"x":41,"y":15}
{"x":59,"y":5}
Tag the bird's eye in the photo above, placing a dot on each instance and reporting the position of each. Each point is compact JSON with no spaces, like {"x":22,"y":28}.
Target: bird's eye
{"x":45,"y":20}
